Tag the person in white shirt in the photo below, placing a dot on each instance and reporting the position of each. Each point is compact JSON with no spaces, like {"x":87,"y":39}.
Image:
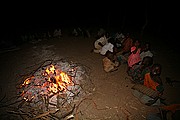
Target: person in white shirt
{"x":99,"y":43}
{"x":146,"y":51}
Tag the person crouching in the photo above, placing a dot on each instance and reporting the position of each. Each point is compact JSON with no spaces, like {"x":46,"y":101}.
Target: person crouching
{"x":110,"y":62}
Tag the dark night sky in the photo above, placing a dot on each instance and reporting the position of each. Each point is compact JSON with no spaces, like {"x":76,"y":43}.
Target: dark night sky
{"x":162,"y":16}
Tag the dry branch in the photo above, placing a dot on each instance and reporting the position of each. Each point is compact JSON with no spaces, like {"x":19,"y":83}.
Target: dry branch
{"x":10,"y":104}
{"x":44,"y":114}
{"x":64,"y":115}
{"x":19,"y":113}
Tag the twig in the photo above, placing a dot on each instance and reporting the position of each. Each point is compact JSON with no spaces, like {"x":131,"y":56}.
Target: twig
{"x":47,"y":102}
{"x":41,"y":66}
{"x":44,"y":114}
{"x":11,"y":103}
{"x":58,"y":97}
{"x":63,"y":116}
{"x":93,"y":103}
{"x":40,"y":63}
{"x":17,"y":96}
{"x":18,"y":113}
{"x":21,"y":104}
{"x":35,"y":70}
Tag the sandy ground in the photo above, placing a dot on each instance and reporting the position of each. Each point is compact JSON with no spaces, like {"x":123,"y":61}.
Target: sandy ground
{"x":111,"y":97}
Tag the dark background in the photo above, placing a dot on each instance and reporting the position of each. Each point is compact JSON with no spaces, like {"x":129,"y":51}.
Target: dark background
{"x":162,"y":16}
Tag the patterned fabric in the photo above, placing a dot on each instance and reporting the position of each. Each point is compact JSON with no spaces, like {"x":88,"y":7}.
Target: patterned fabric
{"x":137,"y":73}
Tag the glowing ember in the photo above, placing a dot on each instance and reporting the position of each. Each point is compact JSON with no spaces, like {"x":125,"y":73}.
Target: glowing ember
{"x":52,"y":80}
{"x":59,"y":80}
{"x":54,"y":85}
{"x":26,"y":82}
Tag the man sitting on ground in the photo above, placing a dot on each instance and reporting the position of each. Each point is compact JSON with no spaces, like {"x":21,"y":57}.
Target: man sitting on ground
{"x":152,"y":81}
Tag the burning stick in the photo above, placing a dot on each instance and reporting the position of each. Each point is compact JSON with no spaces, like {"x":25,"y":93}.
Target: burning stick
{"x":41,"y":66}
{"x":46,"y":102}
{"x":58,"y":104}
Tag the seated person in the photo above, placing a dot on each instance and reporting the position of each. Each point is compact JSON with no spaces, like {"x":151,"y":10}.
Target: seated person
{"x":133,"y":59}
{"x":57,"y":33}
{"x":107,"y":47}
{"x":153,"y":81}
{"x":110,"y":62}
{"x":99,"y":43}
{"x":119,"y":38}
{"x":127,"y":43}
{"x":146,"y":51}
{"x":100,"y":32}
{"x":137,"y":74}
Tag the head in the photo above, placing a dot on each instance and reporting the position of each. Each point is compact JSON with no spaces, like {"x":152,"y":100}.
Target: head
{"x":146,"y":46}
{"x":156,"y":70}
{"x":133,"y":49}
{"x":147,"y":61}
{"x":107,"y":34}
{"x":137,"y":43}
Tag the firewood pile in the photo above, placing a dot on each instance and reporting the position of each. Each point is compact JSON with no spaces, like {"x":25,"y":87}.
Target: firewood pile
{"x":51,"y":91}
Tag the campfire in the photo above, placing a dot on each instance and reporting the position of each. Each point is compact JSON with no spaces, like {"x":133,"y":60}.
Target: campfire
{"x":53,"y":90}
{"x":48,"y":82}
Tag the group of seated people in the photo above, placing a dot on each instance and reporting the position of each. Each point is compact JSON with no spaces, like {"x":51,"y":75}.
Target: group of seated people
{"x":141,"y":69}
{"x":138,"y":57}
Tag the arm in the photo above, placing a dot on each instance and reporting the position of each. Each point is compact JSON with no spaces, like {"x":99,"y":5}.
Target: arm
{"x":99,"y":43}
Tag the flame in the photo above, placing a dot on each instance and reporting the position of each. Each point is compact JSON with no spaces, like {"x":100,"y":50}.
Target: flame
{"x":53,"y":87}
{"x":59,"y":80}
{"x":55,"y":80}
{"x":50,"y":70}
